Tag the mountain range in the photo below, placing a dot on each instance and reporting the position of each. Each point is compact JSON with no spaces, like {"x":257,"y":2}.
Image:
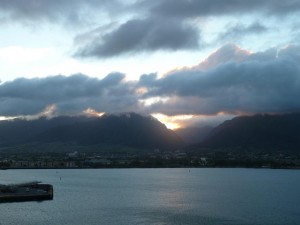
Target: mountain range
{"x":267,"y":132}
{"x":263,"y":131}
{"x":126,"y":129}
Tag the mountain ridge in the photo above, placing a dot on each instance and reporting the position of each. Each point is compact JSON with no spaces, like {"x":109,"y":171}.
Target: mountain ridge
{"x":280,"y":131}
{"x":128,"y":129}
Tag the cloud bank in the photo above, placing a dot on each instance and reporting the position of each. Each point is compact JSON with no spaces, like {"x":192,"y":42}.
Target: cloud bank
{"x":231,"y":80}
{"x":261,"y":82}
{"x":70,"y":94}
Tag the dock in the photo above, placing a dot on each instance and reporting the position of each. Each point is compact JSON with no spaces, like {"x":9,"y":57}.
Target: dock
{"x":31,"y":191}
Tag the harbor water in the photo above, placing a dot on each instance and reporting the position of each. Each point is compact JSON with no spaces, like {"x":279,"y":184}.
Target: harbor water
{"x":159,"y":196}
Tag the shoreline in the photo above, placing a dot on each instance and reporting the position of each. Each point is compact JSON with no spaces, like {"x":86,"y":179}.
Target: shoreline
{"x":206,"y":167}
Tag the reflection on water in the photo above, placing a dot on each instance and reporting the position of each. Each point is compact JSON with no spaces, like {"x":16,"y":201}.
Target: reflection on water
{"x":159,"y":196}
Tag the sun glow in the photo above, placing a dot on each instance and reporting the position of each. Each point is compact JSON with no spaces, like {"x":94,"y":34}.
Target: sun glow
{"x":172,"y":122}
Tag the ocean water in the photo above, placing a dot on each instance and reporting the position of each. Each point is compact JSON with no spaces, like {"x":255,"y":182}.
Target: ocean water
{"x":159,"y":196}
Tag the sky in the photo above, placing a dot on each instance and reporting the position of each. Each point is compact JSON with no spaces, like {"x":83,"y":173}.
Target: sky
{"x":186,"y":62}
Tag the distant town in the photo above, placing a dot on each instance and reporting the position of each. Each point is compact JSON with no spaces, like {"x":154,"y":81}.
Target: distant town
{"x":149,"y":159}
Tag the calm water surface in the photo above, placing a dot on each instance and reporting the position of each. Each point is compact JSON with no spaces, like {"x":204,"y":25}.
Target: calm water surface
{"x":159,"y":196}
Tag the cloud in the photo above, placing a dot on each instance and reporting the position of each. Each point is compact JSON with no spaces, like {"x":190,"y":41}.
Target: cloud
{"x":69,"y":11}
{"x":262,"y":82}
{"x":230,"y":81}
{"x":240,"y":31}
{"x":70,"y":95}
{"x":201,"y":8}
{"x":126,"y":27}
{"x":227,"y":53}
{"x":142,"y":35}
{"x":171,"y":25}
{"x":76,"y":11}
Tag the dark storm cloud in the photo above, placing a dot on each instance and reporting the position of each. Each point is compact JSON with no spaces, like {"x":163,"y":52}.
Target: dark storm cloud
{"x":141,"y":35}
{"x":71,"y":94}
{"x":195,"y":8}
{"x":260,"y":83}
